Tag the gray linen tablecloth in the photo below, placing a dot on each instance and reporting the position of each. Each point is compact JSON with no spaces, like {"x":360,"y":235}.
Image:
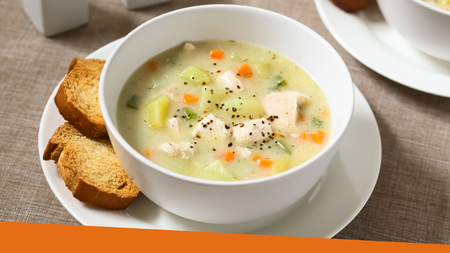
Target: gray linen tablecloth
{"x":411,"y":200}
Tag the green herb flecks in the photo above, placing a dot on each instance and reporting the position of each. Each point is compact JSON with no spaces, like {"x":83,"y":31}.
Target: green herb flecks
{"x":133,"y":102}
{"x":279,"y":80}
{"x":316,"y":122}
{"x":283,"y":146}
{"x":188,"y":114}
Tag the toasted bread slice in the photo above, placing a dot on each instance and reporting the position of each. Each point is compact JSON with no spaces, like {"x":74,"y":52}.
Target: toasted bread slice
{"x":77,"y":98}
{"x":92,"y":64}
{"x":90,"y":169}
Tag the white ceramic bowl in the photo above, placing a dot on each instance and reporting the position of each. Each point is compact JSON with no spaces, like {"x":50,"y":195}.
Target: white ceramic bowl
{"x":425,"y":26}
{"x":213,"y":201}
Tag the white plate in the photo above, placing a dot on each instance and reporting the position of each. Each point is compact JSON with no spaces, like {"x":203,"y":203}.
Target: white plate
{"x":330,"y":206}
{"x":367,"y":36}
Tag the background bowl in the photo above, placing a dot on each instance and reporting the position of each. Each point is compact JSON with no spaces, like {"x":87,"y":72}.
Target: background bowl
{"x":213,"y":201}
{"x":425,"y":26}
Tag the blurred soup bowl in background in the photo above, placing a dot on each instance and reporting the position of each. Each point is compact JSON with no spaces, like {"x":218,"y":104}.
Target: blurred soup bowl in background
{"x":425,"y":26}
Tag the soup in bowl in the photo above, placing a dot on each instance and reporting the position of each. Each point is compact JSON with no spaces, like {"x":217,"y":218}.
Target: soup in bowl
{"x":443,"y":4}
{"x":224,"y":110}
{"x":173,"y":89}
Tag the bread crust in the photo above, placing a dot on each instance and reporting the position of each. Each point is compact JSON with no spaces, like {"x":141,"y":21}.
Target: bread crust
{"x":93,"y":64}
{"x":59,"y":140}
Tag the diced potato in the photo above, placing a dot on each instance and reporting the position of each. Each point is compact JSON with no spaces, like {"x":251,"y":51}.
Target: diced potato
{"x":249,"y":109}
{"x":213,"y":171}
{"x":209,"y":98}
{"x":281,"y":164}
{"x":263,"y":69}
{"x":187,"y":168}
{"x":157,"y":111}
{"x":195,"y":75}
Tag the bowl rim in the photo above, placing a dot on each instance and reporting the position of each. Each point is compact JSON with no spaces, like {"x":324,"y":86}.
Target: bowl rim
{"x":431,"y":7}
{"x":328,"y":148}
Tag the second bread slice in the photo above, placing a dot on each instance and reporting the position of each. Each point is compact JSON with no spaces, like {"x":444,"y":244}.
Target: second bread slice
{"x":90,"y":169}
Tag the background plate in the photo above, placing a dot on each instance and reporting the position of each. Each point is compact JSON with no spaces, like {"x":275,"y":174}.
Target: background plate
{"x":367,"y":37}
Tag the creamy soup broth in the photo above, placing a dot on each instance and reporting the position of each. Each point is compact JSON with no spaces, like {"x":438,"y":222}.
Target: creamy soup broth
{"x":195,"y":83}
{"x":443,"y":4}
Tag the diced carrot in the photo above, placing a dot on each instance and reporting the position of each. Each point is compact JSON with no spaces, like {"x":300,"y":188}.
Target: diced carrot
{"x":314,"y":137}
{"x":262,"y":162}
{"x":256,"y":158}
{"x":147,"y":152}
{"x":326,"y":113}
{"x":318,"y":138}
{"x":152,"y":66}
{"x":303,"y":136}
{"x":190,"y":98}
{"x":244,"y":71}
{"x":265,"y":163}
{"x":228,"y":156}
{"x":302,"y":117}
{"x":216,"y":54}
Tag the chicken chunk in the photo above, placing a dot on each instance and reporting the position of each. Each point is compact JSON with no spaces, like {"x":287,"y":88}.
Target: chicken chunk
{"x":173,"y":124}
{"x":284,"y":105}
{"x":212,"y":127}
{"x":229,"y":80}
{"x":185,"y":149}
{"x":188,"y":47}
{"x":169,"y":91}
{"x":252,"y":131}
{"x":242,"y":152}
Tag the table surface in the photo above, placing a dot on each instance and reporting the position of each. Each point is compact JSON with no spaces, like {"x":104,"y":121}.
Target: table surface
{"x":410,"y":202}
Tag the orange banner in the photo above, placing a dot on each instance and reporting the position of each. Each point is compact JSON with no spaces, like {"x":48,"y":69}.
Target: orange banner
{"x":29,"y":237}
